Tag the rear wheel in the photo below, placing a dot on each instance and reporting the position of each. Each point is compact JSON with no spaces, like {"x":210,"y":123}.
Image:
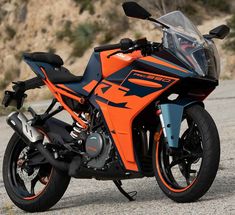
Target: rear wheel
{"x":187,"y":174}
{"x":31,"y":188}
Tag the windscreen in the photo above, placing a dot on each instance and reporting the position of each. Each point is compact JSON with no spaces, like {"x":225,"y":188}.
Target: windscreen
{"x":186,"y":42}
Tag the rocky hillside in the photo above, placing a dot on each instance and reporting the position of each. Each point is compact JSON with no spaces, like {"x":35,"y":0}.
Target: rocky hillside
{"x":71,"y":28}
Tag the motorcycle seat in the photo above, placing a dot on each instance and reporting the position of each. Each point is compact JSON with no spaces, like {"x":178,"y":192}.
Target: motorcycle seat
{"x":56,"y":74}
{"x":62,"y":75}
{"x":50,"y":58}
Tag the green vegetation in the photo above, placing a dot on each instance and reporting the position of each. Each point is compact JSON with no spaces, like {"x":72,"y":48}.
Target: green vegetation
{"x":44,"y":30}
{"x":10,"y":31}
{"x":65,"y":32}
{"x":230,"y":43}
{"x":117,"y":24}
{"x":80,"y":37}
{"x":220,"y":5}
{"x":86,"y":5}
{"x":51,"y":49}
{"x":8,"y":77}
{"x":49,"y":19}
{"x":2,"y":14}
{"x":191,"y":11}
{"x":138,"y":35}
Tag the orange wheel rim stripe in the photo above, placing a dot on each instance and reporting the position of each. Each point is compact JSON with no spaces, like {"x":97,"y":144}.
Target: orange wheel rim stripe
{"x":39,"y":193}
{"x":160,"y":174}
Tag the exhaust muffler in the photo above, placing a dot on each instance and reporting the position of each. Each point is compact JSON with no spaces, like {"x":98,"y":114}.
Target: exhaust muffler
{"x":31,"y":136}
{"x":20,"y":124}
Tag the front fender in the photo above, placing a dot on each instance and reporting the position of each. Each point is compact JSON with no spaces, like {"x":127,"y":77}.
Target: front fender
{"x":171,"y":117}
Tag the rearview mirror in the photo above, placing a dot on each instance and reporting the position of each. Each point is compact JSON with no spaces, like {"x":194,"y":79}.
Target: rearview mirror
{"x":132,"y":9}
{"x":220,"y":32}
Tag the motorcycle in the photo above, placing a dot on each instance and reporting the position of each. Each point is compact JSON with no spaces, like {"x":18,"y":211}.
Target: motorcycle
{"x":137,"y":112}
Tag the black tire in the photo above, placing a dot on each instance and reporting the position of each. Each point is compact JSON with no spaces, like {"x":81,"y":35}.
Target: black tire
{"x":210,"y":145}
{"x":49,"y":196}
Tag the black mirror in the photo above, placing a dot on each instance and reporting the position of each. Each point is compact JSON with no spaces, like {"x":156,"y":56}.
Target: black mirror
{"x":220,"y":32}
{"x":132,"y":9}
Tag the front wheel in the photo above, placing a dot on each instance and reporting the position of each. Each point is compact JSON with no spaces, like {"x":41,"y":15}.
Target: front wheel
{"x":32,"y":188}
{"x":187,"y":174}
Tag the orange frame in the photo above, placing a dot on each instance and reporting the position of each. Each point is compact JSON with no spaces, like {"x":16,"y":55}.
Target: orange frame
{"x":57,"y":92}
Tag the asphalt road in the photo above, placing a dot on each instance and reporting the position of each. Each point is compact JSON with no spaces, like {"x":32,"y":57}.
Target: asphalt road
{"x":97,"y":197}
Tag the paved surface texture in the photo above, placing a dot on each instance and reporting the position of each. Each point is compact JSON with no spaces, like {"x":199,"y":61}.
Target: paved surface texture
{"x":95,"y":197}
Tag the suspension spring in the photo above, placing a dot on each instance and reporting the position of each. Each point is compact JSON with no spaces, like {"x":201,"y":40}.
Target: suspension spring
{"x":78,"y":128}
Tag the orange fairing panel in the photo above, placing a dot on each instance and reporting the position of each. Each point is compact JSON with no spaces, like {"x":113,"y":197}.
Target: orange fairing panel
{"x":90,"y":86}
{"x":116,"y":62}
{"x":120,"y":105}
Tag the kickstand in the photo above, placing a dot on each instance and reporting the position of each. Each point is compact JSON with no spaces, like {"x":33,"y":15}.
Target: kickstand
{"x":130,"y":196}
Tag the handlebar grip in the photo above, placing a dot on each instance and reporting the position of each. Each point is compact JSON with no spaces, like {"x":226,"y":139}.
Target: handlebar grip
{"x":107,"y":47}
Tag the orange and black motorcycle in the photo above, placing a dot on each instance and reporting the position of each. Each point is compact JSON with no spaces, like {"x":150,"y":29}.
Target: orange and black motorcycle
{"x":137,"y":112}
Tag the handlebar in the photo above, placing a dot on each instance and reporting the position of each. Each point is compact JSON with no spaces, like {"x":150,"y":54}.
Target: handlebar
{"x":127,"y":45}
{"x":124,"y":44}
{"x":107,"y":47}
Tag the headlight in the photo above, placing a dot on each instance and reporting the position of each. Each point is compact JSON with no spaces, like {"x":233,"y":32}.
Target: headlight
{"x":214,"y":71}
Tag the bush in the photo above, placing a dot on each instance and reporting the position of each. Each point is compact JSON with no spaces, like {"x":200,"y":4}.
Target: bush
{"x":44,"y":30}
{"x":220,"y":5}
{"x":49,"y":19}
{"x":230,"y":43}
{"x":51,"y":49}
{"x":138,"y":35}
{"x":66,"y":32}
{"x":192,"y":12}
{"x":10,"y":31}
{"x":9,"y":76}
{"x":86,"y":5}
{"x":117,"y":24}
{"x":82,"y":37}
{"x":3,"y":13}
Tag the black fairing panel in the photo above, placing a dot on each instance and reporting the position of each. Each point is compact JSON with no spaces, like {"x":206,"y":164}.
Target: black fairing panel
{"x":92,"y":72}
{"x":147,"y":66}
{"x":164,"y":54}
{"x":167,"y":57}
{"x":119,"y":76}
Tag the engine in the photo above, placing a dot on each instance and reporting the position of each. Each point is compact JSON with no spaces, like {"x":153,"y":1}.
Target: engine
{"x":98,"y":148}
{"x":97,"y":145}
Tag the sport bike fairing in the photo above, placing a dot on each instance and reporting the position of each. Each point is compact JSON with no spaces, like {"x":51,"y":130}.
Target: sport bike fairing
{"x":121,"y":86}
{"x":121,"y":91}
{"x":120,"y":104}
{"x":125,"y":93}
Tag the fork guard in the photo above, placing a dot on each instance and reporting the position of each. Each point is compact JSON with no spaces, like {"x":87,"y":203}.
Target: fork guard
{"x":171,"y":115}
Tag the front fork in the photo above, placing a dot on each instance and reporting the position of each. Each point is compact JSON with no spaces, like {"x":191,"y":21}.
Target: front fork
{"x":171,"y":116}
